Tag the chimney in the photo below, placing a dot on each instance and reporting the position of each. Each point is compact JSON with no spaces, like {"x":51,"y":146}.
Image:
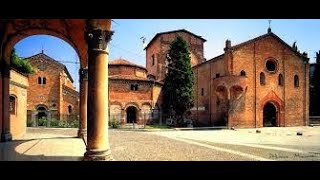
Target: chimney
{"x":228,"y":45}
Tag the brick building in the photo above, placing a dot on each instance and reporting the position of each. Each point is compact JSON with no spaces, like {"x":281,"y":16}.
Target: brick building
{"x":259,"y":83}
{"x":158,"y":47}
{"x":18,"y":103}
{"x":132,"y":95}
{"x":51,"y":94}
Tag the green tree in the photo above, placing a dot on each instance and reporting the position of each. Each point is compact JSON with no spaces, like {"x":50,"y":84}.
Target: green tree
{"x":315,"y":88}
{"x":20,"y":64}
{"x":178,"y":84}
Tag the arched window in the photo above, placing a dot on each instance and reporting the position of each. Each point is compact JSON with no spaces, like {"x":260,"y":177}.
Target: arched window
{"x":44,"y":80}
{"x":242,"y":73}
{"x":280,"y":80}
{"x":12,"y":105}
{"x":134,"y":87}
{"x":296,"y":81}
{"x":39,"y":80}
{"x":262,"y":78}
{"x":69,"y":109}
{"x":153,"y":60}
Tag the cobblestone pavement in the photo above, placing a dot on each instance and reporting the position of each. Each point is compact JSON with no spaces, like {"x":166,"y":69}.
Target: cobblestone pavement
{"x":42,"y":144}
{"x":143,"y":146}
{"x":270,"y":144}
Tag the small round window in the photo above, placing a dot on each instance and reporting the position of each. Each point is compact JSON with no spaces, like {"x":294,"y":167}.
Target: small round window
{"x":271,"y":65}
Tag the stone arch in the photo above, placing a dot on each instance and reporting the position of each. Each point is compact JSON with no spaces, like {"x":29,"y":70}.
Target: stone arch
{"x":279,"y":105}
{"x":236,"y":92}
{"x":132,"y":104}
{"x":145,"y":104}
{"x":60,"y":28}
{"x":116,"y":103}
{"x":41,"y":105}
{"x":115,"y":111}
{"x":222,"y":92}
{"x":90,"y":38}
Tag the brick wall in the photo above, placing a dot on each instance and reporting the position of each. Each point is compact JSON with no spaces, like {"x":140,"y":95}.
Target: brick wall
{"x":121,"y":96}
{"x":51,"y":94}
{"x":159,"y":49}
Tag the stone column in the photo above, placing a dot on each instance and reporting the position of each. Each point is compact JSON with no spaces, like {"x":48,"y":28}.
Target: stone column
{"x":5,"y":135}
{"x":83,"y":73}
{"x":98,"y":35}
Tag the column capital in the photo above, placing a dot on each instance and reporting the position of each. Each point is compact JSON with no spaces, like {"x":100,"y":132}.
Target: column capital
{"x":83,"y":73}
{"x":98,"y":39}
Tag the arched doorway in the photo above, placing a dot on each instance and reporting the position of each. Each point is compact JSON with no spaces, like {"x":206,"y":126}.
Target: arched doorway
{"x":270,"y":115}
{"x":131,"y":114}
{"x":41,"y":115}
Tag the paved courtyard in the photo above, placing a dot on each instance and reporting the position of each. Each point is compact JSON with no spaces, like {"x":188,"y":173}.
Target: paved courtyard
{"x":42,"y":144}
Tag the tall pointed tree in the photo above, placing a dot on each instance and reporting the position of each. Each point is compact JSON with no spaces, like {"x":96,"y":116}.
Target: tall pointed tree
{"x":315,"y":89}
{"x":178,"y":85}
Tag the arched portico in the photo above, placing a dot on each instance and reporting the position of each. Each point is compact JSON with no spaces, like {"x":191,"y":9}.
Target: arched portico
{"x":89,"y":39}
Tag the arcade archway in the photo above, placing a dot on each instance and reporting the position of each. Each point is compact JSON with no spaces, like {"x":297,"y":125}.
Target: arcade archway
{"x":90,"y":39}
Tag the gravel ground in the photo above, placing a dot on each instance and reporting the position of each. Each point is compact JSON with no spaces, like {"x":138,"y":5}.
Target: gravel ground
{"x":271,"y":154}
{"x":146,"y":146}
{"x":142,"y":146}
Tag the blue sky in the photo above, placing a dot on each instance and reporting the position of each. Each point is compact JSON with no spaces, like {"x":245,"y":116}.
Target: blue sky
{"x":126,"y":42}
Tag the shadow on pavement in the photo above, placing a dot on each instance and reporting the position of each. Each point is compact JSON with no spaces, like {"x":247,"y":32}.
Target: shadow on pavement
{"x":39,"y":149}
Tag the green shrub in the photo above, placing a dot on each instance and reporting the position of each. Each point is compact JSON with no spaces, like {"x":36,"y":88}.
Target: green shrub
{"x":114,"y":124}
{"x":21,"y":65}
{"x":42,"y":122}
{"x":54,"y":123}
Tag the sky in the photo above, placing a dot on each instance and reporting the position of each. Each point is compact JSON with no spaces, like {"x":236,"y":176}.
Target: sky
{"x":127,"y":40}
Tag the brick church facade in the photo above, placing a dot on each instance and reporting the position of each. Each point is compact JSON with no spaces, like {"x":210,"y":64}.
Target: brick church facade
{"x":262,"y":82}
{"x":51,"y":93}
{"x":133,"y":96}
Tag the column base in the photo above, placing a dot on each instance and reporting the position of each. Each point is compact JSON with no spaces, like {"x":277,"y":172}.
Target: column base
{"x":82,"y":133}
{"x":6,"y":136}
{"x":97,"y":155}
